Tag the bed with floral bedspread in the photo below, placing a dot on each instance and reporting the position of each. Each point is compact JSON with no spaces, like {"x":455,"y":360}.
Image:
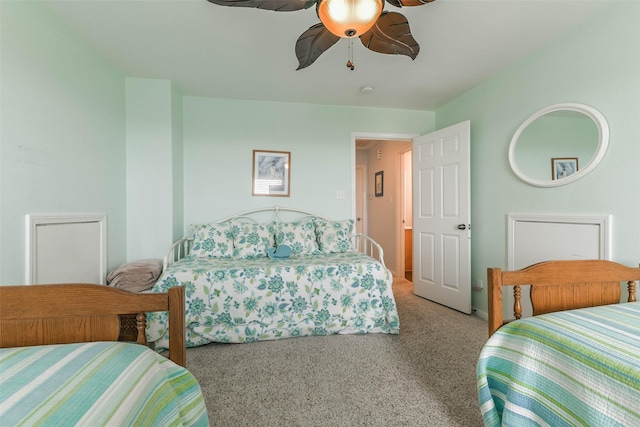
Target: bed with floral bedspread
{"x":235,"y":293}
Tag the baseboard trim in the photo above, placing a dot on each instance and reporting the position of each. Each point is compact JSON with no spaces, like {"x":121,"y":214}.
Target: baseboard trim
{"x":481,"y":314}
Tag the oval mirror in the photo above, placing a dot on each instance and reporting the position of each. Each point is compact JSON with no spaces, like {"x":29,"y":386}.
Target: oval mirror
{"x":559,"y":144}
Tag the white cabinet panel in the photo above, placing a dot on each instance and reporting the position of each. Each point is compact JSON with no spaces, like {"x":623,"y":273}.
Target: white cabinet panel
{"x":66,"y":249}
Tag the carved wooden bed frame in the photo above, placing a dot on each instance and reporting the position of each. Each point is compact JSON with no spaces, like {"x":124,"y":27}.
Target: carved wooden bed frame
{"x":561,"y":285}
{"x":71,"y":313}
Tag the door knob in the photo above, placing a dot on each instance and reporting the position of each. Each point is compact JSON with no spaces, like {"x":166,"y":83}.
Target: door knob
{"x":462,"y":227}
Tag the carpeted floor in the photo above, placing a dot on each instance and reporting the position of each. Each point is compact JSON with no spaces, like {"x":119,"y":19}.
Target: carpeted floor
{"x":423,"y":377}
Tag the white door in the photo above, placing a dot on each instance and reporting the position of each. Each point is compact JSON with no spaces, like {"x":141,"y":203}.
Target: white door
{"x":442,"y":218}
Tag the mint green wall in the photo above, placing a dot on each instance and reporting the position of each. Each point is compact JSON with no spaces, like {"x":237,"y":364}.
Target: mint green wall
{"x":62,"y":127}
{"x":177,"y":167}
{"x":63,"y":140}
{"x":220,"y":136}
{"x":154,"y":157}
{"x":596,"y":64}
{"x":79,"y":137}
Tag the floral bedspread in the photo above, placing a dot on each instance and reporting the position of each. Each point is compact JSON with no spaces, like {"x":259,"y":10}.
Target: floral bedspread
{"x":244,"y":300}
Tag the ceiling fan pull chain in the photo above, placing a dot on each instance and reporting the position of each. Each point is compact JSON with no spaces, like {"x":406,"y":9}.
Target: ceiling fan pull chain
{"x":350,"y":54}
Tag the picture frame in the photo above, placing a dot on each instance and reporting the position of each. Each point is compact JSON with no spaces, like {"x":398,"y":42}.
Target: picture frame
{"x":379,"y":184}
{"x":271,"y":173}
{"x":562,"y":167}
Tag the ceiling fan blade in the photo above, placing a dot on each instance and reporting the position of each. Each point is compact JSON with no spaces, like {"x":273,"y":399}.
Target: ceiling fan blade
{"x":312,"y":43}
{"x":277,"y":5}
{"x":391,"y":34}
{"x":401,"y":3}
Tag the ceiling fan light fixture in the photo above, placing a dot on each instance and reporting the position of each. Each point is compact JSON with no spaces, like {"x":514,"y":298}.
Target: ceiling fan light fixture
{"x":349,"y":18}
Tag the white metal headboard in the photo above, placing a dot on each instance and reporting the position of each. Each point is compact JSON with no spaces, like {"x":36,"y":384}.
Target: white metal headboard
{"x":362,"y":243}
{"x":276,"y":211}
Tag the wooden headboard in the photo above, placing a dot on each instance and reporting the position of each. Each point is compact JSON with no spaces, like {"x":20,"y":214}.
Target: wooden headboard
{"x":70,"y":313}
{"x":560,"y":285}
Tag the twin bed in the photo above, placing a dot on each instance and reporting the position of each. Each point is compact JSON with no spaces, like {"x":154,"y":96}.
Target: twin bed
{"x":576,"y":361}
{"x":276,"y":273}
{"x":61,"y":363}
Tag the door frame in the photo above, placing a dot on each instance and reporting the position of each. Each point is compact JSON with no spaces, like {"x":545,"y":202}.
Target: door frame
{"x":379,"y":136}
{"x":365,"y":190}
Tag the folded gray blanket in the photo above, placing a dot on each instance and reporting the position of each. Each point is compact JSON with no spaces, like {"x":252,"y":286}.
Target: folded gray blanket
{"x":136,"y":276}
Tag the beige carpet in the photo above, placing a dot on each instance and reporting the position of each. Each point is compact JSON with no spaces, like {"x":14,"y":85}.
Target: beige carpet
{"x":423,"y":377}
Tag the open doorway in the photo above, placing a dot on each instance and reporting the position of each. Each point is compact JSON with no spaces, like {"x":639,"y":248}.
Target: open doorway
{"x":386,"y":213}
{"x":406,"y":204}
{"x":443,"y":201}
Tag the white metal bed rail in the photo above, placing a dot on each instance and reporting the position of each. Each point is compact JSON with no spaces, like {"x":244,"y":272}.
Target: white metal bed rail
{"x":278,"y":214}
{"x":178,"y":250}
{"x":368,"y":246}
{"x":361,"y":243}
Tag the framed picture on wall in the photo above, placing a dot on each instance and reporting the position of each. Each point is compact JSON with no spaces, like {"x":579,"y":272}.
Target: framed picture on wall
{"x":271,"y":173}
{"x":379,"y":183}
{"x":562,"y":167}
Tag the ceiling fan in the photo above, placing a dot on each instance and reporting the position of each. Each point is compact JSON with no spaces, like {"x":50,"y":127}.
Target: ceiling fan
{"x":378,"y":30}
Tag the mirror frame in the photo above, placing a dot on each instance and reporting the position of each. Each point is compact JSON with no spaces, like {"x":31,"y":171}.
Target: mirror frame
{"x":603,"y":143}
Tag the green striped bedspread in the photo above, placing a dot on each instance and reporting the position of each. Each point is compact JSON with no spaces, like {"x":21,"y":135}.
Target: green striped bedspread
{"x":571,"y":368}
{"x":96,"y":384}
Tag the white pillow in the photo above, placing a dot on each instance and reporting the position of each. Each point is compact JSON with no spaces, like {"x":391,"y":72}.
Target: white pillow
{"x":252,"y":240}
{"x":334,"y":236}
{"x":212,"y":240}
{"x":299,"y":236}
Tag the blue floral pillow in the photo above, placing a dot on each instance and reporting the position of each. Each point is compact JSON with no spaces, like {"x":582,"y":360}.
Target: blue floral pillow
{"x":252,"y":240}
{"x":212,"y":240}
{"x":334,"y":236}
{"x":299,"y":236}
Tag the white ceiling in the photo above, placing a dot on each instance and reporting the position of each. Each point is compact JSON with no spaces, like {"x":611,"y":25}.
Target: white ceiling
{"x":242,"y":53}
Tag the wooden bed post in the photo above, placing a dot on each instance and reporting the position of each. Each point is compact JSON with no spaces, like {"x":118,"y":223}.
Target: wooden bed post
{"x":494,"y":283}
{"x":517,"y":302}
{"x":177,"y":348}
{"x":141,"y":326}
